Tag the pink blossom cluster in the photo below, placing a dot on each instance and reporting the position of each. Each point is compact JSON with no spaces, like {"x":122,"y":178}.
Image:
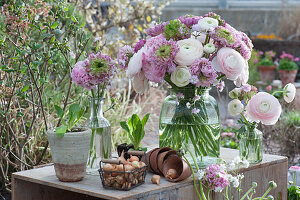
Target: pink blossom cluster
{"x":97,"y":69}
{"x":229,"y":134}
{"x":124,"y":56}
{"x":289,"y":56}
{"x":204,"y":72}
{"x":214,"y":52}
{"x":215,"y":177}
{"x":188,"y":20}
{"x":155,"y":30}
{"x":158,"y":58}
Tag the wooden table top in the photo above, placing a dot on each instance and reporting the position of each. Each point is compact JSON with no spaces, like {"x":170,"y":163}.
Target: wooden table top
{"x":92,"y":186}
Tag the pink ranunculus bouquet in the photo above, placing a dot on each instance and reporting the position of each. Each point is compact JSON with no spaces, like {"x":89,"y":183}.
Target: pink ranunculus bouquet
{"x":191,"y":51}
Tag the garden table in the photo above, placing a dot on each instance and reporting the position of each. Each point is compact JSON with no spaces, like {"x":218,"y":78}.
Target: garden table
{"x":42,"y":184}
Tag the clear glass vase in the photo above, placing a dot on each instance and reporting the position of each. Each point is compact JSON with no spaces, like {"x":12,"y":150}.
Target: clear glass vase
{"x":251,"y":144}
{"x":101,"y":141}
{"x":186,"y":122}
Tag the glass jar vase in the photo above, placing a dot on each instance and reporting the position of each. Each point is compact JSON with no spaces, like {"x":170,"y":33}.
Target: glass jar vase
{"x":251,"y":144}
{"x":101,"y":141}
{"x":189,"y":118}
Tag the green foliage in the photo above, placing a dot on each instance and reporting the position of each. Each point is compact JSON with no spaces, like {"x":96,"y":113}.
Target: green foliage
{"x":293,"y":191}
{"x":175,"y":29}
{"x":229,"y":137}
{"x":266,"y":62}
{"x":253,"y":71}
{"x":286,"y":64}
{"x":135,"y":129}
{"x":73,"y":116}
{"x":292,"y":118}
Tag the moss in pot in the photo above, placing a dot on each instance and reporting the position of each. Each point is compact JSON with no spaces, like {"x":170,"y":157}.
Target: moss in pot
{"x":69,"y":145}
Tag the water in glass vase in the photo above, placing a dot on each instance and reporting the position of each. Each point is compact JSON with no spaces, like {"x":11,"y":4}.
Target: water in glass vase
{"x":251,"y":146}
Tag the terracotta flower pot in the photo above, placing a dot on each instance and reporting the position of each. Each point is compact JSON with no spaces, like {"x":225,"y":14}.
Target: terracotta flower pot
{"x":267,"y":73}
{"x":162,"y":157}
{"x":70,"y":154}
{"x":180,"y":165}
{"x":154,"y":158}
{"x":147,"y":159}
{"x":287,"y":76}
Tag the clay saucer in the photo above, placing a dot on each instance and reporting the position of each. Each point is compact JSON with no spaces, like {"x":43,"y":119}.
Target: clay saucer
{"x":147,"y":159}
{"x":162,"y":157}
{"x":154,"y":158}
{"x":180,"y":165}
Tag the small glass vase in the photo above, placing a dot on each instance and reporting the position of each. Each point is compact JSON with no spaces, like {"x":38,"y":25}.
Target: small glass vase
{"x":251,"y":145}
{"x":101,"y":141}
{"x":193,"y":123}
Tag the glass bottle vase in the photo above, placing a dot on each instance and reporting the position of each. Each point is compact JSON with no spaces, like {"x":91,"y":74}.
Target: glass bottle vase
{"x":101,"y":141}
{"x":189,"y":118}
{"x":251,"y":145}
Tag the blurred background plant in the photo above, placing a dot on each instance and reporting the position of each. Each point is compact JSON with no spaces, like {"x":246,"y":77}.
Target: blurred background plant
{"x":40,"y":41}
{"x":284,"y":138}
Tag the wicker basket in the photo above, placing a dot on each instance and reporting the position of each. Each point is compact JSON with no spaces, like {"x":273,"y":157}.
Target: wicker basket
{"x":122,"y":180}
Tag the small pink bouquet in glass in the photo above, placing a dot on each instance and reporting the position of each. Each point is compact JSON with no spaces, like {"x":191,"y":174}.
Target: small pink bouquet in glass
{"x":256,"y":107}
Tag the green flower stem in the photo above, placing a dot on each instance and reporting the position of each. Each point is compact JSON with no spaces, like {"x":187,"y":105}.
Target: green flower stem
{"x":265,"y":194}
{"x":278,"y":92}
{"x":200,"y":183}
{"x":246,"y":194}
{"x":194,"y":179}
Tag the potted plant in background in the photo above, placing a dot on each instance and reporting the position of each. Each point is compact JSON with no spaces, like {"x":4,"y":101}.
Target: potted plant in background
{"x":287,"y":68}
{"x":69,"y":145}
{"x":95,"y":74}
{"x":266,"y":66}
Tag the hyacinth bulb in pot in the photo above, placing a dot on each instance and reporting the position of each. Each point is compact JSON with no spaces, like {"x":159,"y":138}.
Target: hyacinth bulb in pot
{"x":254,"y":108}
{"x":288,"y":68}
{"x":191,"y":54}
{"x":95,"y":74}
{"x":69,"y":145}
{"x":266,"y":66}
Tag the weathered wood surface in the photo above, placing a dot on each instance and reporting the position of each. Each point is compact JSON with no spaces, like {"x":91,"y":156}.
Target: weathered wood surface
{"x":42,"y":184}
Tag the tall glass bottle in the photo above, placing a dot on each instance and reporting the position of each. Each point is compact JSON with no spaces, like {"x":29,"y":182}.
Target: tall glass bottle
{"x":101,"y":141}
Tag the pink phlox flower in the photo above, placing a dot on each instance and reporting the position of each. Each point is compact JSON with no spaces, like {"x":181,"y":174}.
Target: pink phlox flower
{"x":246,"y":88}
{"x":195,"y":110}
{"x":156,"y":29}
{"x":269,"y":88}
{"x":139,"y":45}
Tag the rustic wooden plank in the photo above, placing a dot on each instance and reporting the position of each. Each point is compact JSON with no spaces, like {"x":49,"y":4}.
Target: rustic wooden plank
{"x":271,"y":168}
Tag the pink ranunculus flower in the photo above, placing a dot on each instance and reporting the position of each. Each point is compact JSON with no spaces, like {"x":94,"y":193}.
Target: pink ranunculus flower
{"x":135,"y":63}
{"x":263,"y":107}
{"x":230,"y":62}
{"x":140,"y":83}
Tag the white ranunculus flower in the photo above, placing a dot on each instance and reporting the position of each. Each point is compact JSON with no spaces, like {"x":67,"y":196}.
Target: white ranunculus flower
{"x":209,"y":48}
{"x":190,"y":50}
{"x":135,"y":63}
{"x":181,"y":76}
{"x":207,"y":23}
{"x":140,"y":83}
{"x":235,"y":107}
{"x":289,"y":92}
{"x":235,"y":93}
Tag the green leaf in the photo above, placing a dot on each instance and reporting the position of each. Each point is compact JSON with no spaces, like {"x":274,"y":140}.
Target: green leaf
{"x":137,"y":135}
{"x":124,"y":125}
{"x":52,"y":40}
{"x":74,"y":19}
{"x":59,"y":111}
{"x":55,"y":24}
{"x":145,"y":119}
{"x":60,"y":131}
{"x":74,"y":110}
{"x":25,"y":88}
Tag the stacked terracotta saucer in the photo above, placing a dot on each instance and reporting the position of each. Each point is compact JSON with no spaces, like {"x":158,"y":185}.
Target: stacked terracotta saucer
{"x":166,"y":162}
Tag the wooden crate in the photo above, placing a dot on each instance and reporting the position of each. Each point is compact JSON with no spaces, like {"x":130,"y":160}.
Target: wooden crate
{"x":42,"y":184}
